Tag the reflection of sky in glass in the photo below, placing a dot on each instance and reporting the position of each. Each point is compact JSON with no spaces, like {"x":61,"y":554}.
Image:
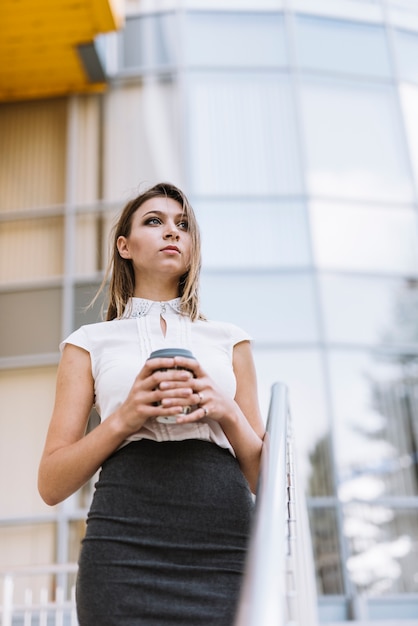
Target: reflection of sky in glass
{"x":365,"y":238}
{"x":363,"y":9}
{"x":247,"y":234}
{"x":383,"y":543}
{"x":406,"y":47}
{"x":258,"y":40}
{"x":354,"y":142}
{"x":272,"y":308}
{"x":360,"y":310}
{"x":243,"y":131}
{"x":301,"y":372}
{"x":409,"y":100}
{"x":371,"y":431}
{"x":342,"y":47}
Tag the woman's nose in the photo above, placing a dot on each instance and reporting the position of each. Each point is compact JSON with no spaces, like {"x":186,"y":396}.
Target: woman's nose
{"x":171,"y":232}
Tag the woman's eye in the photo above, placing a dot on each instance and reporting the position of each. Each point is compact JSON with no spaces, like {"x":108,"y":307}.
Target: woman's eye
{"x":183,"y":225}
{"x":153,"y":221}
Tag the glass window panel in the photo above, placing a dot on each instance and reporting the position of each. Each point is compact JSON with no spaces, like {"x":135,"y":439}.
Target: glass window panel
{"x":250,"y":234}
{"x":242,"y":135}
{"x":301,"y":372}
{"x":141,"y":139}
{"x":327,"y":551}
{"x":233,"y":4}
{"x":375,"y":425}
{"x":354,"y":142}
{"x":409,"y":100}
{"x":383,"y":543}
{"x":403,"y":13}
{"x":235,"y":39}
{"x":406,"y":46}
{"x":149,"y":40}
{"x":365,"y":10}
{"x":272,"y":308}
{"x":365,"y":238}
{"x":342,"y":47}
{"x":372,"y":311}
{"x":24,"y":311}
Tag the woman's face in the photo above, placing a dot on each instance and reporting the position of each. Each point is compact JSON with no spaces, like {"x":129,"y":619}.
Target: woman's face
{"x":159,"y":241}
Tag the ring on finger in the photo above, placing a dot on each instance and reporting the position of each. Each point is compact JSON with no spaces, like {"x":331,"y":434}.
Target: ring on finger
{"x":200,"y":397}
{"x":205,"y":411}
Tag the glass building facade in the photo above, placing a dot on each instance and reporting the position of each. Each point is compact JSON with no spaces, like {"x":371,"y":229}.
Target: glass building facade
{"x":292,"y":125}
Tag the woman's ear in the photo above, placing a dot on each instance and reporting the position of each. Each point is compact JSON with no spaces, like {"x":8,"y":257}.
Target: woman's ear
{"x":122,"y":245}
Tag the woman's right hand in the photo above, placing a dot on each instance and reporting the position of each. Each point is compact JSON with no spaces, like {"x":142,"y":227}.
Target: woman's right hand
{"x":71,"y":457}
{"x":145,"y":396}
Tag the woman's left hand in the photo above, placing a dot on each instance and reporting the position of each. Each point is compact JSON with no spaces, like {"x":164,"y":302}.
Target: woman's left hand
{"x":208,"y":400}
{"x":238,"y":417}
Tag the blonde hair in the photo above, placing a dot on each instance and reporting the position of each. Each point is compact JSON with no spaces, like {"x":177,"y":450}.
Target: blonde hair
{"x":120,"y":273}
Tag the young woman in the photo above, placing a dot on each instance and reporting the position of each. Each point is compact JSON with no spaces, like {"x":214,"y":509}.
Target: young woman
{"x":168,"y":527}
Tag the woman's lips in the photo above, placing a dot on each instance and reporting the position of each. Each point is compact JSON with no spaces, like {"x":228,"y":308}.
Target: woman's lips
{"x":171,"y":250}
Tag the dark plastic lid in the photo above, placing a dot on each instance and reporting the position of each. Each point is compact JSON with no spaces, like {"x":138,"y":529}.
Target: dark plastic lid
{"x":170,"y":352}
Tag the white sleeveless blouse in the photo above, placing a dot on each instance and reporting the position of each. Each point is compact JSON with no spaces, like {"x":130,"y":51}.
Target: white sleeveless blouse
{"x":118,"y":349}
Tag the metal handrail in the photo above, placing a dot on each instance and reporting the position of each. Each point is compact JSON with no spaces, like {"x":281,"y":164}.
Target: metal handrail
{"x":279,"y":585}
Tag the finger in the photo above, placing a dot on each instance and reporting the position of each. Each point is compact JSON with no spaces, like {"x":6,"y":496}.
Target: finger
{"x":190,"y":364}
{"x":175,"y":400}
{"x":171,"y":376}
{"x":194,"y":416}
{"x":151,"y":365}
{"x":170,"y":385}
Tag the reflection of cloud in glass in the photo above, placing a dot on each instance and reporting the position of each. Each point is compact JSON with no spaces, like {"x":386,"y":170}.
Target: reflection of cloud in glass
{"x":361,"y":488}
{"x":301,"y":372}
{"x":357,"y":183}
{"x":351,"y":237}
{"x":354,"y":143}
{"x":376,"y":422}
{"x":358,"y":527}
{"x":378,"y":566}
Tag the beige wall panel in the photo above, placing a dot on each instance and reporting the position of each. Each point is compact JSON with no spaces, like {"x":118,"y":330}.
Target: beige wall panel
{"x":32,"y":154}
{"x":88,"y":149}
{"x":27,"y":398}
{"x":87,"y":245}
{"x":31,"y":249}
{"x":142,"y":139}
{"x":23,"y":545}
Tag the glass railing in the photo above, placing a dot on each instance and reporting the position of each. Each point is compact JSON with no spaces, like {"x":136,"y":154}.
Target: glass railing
{"x":279,"y":581}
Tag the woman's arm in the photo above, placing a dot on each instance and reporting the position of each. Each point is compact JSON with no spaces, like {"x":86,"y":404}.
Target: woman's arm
{"x":70,"y":458}
{"x":240,"y":418}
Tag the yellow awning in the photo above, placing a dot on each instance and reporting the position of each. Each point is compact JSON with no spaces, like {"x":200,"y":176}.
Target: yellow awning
{"x":39,"y":45}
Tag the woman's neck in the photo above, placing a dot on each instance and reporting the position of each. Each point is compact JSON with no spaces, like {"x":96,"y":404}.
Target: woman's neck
{"x":158,"y":295}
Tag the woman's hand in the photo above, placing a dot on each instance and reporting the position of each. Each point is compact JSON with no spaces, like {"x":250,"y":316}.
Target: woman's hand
{"x":158,"y":390}
{"x":239,"y":418}
{"x":205,"y":398}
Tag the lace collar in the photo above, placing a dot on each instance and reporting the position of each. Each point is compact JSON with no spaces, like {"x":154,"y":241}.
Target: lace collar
{"x":138,"y":307}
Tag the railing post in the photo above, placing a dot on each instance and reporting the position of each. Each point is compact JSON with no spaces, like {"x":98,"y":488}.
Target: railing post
{"x":8,"y":586}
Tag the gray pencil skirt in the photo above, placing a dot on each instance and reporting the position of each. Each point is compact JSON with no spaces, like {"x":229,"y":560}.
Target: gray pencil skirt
{"x":166,"y":538}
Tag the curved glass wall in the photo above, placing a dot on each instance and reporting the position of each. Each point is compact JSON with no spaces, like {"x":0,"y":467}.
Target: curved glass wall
{"x":293,"y":128}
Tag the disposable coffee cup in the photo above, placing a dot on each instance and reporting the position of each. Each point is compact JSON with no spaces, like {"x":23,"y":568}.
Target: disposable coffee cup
{"x":170,"y":353}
